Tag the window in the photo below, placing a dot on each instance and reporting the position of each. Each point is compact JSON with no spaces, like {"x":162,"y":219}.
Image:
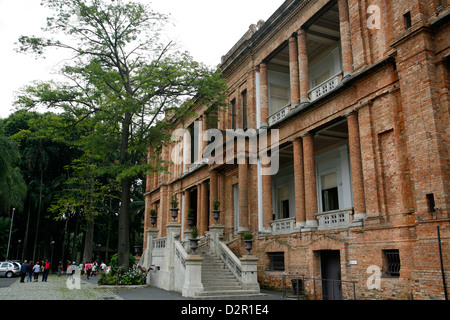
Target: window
{"x":431,"y":203}
{"x":233,"y":114}
{"x":194,"y":143}
{"x":391,"y":263}
{"x":407,"y":18}
{"x":276,"y":261}
{"x":244,"y":109}
{"x":330,"y":200}
{"x":283,"y":194}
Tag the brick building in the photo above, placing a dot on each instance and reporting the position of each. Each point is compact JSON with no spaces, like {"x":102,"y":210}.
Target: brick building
{"x":358,"y":93}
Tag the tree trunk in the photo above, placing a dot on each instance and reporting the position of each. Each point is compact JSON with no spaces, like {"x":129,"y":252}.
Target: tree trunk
{"x":124,"y":225}
{"x":87,"y":253}
{"x":123,"y":248}
{"x":25,"y":240}
{"x":39,"y":214}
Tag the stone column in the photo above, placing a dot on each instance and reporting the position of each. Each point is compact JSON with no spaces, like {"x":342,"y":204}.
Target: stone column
{"x":264,"y":88}
{"x":193,"y":276}
{"x":249,"y":264}
{"x":152,"y":233}
{"x":173,"y":232}
{"x":213,"y":192}
{"x":204,"y":210}
{"x":359,"y":203}
{"x":293,"y":71}
{"x":267,"y":201}
{"x":346,"y":42}
{"x":199,"y":206}
{"x":187,"y":206}
{"x":310,"y":181}
{"x":243,"y":194}
{"x":303,"y":65}
{"x":300,"y":213}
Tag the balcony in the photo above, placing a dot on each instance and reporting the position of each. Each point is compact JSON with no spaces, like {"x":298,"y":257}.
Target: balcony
{"x":335,"y":219}
{"x":325,"y":87}
{"x":278,"y":115}
{"x":283,"y":226}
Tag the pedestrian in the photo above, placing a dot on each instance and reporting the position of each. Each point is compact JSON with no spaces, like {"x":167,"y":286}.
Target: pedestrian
{"x":102,"y":267}
{"x":30,"y":272}
{"x":46,"y":270}
{"x":36,"y":269}
{"x":24,"y":270}
{"x":60,"y":269}
{"x":88,"y":269}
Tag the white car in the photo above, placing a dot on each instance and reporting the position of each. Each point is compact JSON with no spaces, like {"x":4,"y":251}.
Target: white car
{"x":9,"y":269}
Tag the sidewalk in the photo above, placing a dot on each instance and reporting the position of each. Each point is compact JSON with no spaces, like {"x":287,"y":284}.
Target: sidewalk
{"x":57,"y":288}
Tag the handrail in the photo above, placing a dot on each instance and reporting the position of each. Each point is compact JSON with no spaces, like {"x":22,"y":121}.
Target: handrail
{"x":230,"y":259}
{"x":181,"y":253}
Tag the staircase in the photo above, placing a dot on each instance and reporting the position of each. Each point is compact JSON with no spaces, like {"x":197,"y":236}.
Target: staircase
{"x":218,"y":281}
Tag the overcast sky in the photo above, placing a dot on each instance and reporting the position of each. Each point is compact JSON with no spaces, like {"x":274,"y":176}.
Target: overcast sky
{"x":205,"y":28}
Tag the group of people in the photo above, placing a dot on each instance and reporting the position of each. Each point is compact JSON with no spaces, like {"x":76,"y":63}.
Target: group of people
{"x":89,"y":269}
{"x":32,"y":270}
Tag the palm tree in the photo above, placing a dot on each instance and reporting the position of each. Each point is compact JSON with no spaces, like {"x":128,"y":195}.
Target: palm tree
{"x":37,"y":155}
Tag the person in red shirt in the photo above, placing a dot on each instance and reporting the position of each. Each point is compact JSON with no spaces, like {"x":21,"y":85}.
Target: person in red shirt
{"x":46,"y":270}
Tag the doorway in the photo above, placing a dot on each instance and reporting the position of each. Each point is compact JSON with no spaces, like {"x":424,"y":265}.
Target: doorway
{"x":330,"y":264}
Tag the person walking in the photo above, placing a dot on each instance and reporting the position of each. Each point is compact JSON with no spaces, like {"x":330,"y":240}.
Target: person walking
{"x":46,"y":270}
{"x":60,"y":269}
{"x":30,"y":272}
{"x":24,"y":270}
{"x":36,"y":269}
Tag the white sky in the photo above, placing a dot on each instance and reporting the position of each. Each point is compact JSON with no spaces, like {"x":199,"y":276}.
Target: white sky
{"x":205,"y":28}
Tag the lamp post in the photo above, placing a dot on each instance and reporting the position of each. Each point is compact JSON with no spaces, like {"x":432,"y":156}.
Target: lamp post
{"x":10,"y":231}
{"x":51,"y":259}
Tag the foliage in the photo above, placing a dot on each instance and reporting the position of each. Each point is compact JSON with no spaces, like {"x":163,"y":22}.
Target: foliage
{"x":124,"y":80}
{"x":216,"y":205}
{"x":194,"y":232}
{"x":114,"y":261}
{"x":190,"y":213}
{"x":123,"y":276}
{"x":174,"y":202}
{"x":153,"y":213}
{"x":247,"y":236}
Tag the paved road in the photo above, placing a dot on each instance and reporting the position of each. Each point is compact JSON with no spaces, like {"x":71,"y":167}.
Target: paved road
{"x":57,"y":288}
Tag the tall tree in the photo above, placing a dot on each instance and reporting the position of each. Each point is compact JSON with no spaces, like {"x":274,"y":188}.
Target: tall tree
{"x":122,"y":76}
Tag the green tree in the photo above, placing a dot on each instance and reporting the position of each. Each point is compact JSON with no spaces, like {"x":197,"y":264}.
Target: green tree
{"x":12,"y":185}
{"x":124,"y":78}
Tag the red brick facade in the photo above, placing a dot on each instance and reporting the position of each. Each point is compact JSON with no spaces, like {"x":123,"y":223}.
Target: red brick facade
{"x":359,"y":93}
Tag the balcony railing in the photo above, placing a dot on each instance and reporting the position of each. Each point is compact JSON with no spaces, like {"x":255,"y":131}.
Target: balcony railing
{"x":283,"y":226}
{"x":280,"y":114}
{"x":325,"y":87}
{"x":335,"y":219}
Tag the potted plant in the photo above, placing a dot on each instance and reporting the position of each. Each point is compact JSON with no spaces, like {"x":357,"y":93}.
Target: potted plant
{"x":216,"y":211}
{"x":190,"y":218}
{"x":153,"y":216}
{"x":194,"y":240}
{"x":248,"y":240}
{"x":174,"y":207}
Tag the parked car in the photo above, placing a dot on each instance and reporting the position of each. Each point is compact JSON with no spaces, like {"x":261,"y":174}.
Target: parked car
{"x":9,"y":269}
{"x":17,"y":266}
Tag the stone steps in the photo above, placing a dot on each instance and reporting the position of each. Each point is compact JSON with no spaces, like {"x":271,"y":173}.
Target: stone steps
{"x":218,"y":281}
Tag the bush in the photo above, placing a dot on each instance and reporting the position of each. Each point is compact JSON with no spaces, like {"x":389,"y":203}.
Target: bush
{"x":114,"y":261}
{"x":121,"y":276}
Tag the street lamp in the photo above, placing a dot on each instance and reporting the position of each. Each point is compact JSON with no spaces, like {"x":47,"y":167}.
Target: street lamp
{"x":51,"y":260}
